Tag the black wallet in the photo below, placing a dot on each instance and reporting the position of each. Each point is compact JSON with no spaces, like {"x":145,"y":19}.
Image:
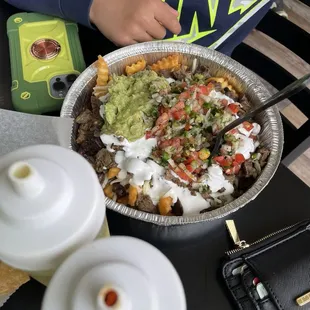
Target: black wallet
{"x":272,"y":273}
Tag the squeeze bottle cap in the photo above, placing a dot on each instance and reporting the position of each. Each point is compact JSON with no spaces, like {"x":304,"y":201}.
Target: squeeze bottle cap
{"x":51,"y":204}
{"x":117,"y":273}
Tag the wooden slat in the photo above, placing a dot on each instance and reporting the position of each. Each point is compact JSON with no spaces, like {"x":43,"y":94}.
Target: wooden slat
{"x":287,"y":60}
{"x":288,"y":109}
{"x":301,"y":167}
{"x":281,"y":105}
{"x":298,"y":13}
{"x":278,"y":53}
{"x":294,"y":115}
{"x":307,"y":154}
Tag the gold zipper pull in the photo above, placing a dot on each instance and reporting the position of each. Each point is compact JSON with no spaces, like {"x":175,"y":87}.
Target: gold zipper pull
{"x":230,"y":224}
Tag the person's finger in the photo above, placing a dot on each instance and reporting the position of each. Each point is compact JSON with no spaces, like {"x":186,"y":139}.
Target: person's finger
{"x":124,"y":41}
{"x":156,"y":30}
{"x":142,"y":36}
{"x":172,"y":10}
{"x":164,"y":16}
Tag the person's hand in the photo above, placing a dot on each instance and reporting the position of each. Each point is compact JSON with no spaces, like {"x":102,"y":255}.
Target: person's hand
{"x":126,"y":22}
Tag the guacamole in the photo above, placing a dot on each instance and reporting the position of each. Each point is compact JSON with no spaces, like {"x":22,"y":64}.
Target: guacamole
{"x":130,"y":110}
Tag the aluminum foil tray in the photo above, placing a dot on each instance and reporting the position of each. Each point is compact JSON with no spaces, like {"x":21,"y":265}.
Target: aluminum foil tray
{"x":220,"y":65}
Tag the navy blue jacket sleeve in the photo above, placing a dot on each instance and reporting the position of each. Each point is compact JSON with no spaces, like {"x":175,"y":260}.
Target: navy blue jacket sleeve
{"x":75,"y":10}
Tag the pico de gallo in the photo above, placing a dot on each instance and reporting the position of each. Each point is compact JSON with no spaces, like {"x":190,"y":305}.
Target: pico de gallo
{"x":157,"y":131}
{"x":186,"y":129}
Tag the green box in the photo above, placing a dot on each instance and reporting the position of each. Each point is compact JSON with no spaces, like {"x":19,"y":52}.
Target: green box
{"x":46,"y":57}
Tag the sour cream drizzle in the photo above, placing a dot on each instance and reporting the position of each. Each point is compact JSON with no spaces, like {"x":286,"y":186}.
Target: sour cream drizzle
{"x":162,"y":187}
{"x":216,"y":181}
{"x":246,"y":144}
{"x":219,"y":96}
{"x":140,"y":148}
{"x":133,"y":159}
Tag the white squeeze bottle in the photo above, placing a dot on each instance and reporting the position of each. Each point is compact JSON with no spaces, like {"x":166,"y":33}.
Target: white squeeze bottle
{"x":51,"y":203}
{"x":117,"y":273}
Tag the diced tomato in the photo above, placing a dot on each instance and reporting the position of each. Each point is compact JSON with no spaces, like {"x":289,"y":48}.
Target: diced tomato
{"x":178,"y":107}
{"x":190,"y":168}
{"x":223,"y":161}
{"x":247,"y":126}
{"x":201,"y":89}
{"x":239,"y":158}
{"x":185,"y":95}
{"x":224,"y":102}
{"x":163,"y":119}
{"x":175,"y":142}
{"x":198,"y":170}
{"x":192,"y":157}
{"x":204,"y":89}
{"x":227,"y":162}
{"x":162,"y":110}
{"x":158,"y":130}
{"x":177,"y":115}
{"x":210,"y":85}
{"x":182,"y":174}
{"x":234,"y":170}
{"x":219,"y":159}
{"x":187,"y":127}
{"x":148,"y":134}
{"x":164,"y":144}
{"x":233,"y":131}
{"x":234,"y":108}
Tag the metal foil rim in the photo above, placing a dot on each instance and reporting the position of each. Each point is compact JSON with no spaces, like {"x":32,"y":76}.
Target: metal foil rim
{"x":249,"y":78}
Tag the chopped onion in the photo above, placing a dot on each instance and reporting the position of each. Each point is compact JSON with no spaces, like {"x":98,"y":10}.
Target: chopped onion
{"x":196,"y":185}
{"x":194,"y":65}
{"x":194,"y":95}
{"x":115,"y":181}
{"x":172,"y":163}
{"x":105,"y":181}
{"x":146,"y":187}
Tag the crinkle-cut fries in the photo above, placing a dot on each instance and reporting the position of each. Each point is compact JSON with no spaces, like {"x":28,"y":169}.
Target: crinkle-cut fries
{"x":136,"y":67}
{"x":103,"y":72}
{"x":167,"y":63}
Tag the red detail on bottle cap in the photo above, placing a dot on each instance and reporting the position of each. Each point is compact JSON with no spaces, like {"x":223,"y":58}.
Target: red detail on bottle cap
{"x":256,"y":281}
